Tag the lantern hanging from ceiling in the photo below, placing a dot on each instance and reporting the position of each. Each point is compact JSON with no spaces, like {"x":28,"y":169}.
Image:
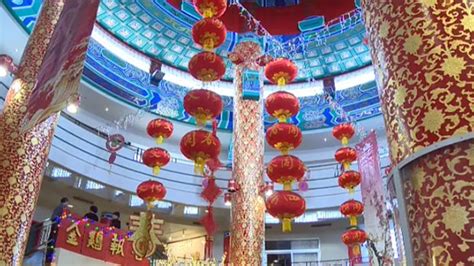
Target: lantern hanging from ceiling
{"x":151,"y":191}
{"x":354,"y":237}
{"x":346,"y":156}
{"x":156,"y":158}
{"x":343,"y":132}
{"x":286,"y":169}
{"x":285,"y":205}
{"x":203,"y":105}
{"x":281,"y":71}
{"x":206,"y":67}
{"x":210,"y":8}
{"x":352,"y":208}
{"x":159,"y":129}
{"x":210,"y":33}
{"x":284,"y":137}
{"x":349,"y":180}
{"x":282,"y":105}
{"x":200,"y":146}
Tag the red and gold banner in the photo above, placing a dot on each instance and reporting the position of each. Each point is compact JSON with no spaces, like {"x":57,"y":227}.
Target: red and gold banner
{"x":375,"y":213}
{"x":96,"y":240}
{"x":60,"y":73}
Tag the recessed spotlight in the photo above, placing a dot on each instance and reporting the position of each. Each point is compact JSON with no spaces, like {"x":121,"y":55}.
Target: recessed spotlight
{"x":72,"y":108}
{"x":325,"y":139}
{"x":106,"y":109}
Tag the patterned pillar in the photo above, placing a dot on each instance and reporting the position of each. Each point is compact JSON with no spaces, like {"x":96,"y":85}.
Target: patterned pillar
{"x":248,"y":207}
{"x":422,"y":52}
{"x":23,"y":156}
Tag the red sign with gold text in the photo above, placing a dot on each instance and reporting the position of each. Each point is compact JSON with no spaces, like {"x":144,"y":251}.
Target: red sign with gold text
{"x":97,"y":240}
{"x":59,"y":76}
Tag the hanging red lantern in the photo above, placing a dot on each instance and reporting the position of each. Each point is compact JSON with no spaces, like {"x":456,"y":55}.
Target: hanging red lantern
{"x":200,"y":146}
{"x":159,"y":129}
{"x":156,"y":158}
{"x":343,"y":132}
{"x":151,"y":191}
{"x":284,"y":137}
{"x":346,"y":156}
{"x":206,"y":67}
{"x":352,"y":208}
{"x":282,"y":105}
{"x":210,"y":33}
{"x":203,"y":105}
{"x":349,"y":180}
{"x":210,"y":8}
{"x":286,"y":169}
{"x":354,"y":237}
{"x":281,"y":71}
{"x":285,"y":205}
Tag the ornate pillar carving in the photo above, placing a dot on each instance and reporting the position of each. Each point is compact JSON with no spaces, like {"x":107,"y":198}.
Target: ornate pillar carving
{"x":422,"y":52}
{"x":23,"y":156}
{"x":248,"y":207}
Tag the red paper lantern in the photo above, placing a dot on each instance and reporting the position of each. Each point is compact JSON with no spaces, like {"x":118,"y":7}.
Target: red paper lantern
{"x":151,"y":191}
{"x":349,"y":180}
{"x":203,"y":105}
{"x":282,"y":105}
{"x":210,"y":8}
{"x":210,"y":33}
{"x":207,"y":67}
{"x":354,"y":237}
{"x":346,"y":156}
{"x":284,"y":137}
{"x":156,"y":158}
{"x":159,"y":129}
{"x":200,"y":146}
{"x":285,"y":169}
{"x":281,"y":71}
{"x":285,"y":205}
{"x":343,"y":132}
{"x":352,"y":208}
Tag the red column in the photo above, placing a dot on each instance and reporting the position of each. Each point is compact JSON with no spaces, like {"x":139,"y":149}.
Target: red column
{"x":423,"y":57}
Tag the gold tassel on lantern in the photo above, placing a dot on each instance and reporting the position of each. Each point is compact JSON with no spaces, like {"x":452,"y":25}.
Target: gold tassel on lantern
{"x":159,"y":140}
{"x":286,"y":225}
{"x":156,"y":170}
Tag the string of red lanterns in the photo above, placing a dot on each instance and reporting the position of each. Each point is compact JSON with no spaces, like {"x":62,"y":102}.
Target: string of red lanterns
{"x":285,"y":137}
{"x":349,"y":179}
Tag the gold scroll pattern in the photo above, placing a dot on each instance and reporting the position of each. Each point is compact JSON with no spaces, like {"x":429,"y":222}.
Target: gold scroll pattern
{"x":23,"y":156}
{"x":248,"y":207}
{"x":423,"y":56}
{"x":439,"y":194}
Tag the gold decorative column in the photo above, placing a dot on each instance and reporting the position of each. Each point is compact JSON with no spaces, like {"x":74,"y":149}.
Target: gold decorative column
{"x":248,"y":207}
{"x":422,"y":52}
{"x":23,"y":156}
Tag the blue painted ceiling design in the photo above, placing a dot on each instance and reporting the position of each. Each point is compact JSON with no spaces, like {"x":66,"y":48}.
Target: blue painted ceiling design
{"x":119,"y":79}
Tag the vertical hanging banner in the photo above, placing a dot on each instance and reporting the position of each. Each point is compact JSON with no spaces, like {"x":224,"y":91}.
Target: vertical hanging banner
{"x":375,"y":213}
{"x":60,"y":74}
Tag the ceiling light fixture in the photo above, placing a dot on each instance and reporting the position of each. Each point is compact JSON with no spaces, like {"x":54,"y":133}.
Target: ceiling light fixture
{"x":73,"y":103}
{"x":269,"y":189}
{"x":6,"y":65}
{"x":227,"y":199}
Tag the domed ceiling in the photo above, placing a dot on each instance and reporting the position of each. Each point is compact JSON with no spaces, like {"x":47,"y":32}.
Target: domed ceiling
{"x":162,"y":29}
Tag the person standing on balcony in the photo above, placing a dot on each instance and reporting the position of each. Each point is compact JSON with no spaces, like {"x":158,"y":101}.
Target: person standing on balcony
{"x":92,"y":214}
{"x":62,"y":208}
{"x":116,"y":220}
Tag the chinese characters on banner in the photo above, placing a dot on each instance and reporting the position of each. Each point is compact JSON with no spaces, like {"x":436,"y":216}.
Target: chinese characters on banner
{"x":375,"y":213}
{"x":61,"y":69}
{"x":97,"y":241}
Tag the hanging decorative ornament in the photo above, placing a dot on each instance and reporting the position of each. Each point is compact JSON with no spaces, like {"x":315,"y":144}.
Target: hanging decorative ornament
{"x":200,"y":146}
{"x":351,"y":209}
{"x":203,"y":105}
{"x":211,"y":192}
{"x":210,"y":8}
{"x":281,"y":71}
{"x":354,"y":237}
{"x":114,"y":143}
{"x":282,"y":105}
{"x":159,"y":129}
{"x":206,"y":67}
{"x":150,"y":192}
{"x":235,"y":58}
{"x":264,"y":60}
{"x":156,"y":158}
{"x":284,"y":137}
{"x":286,"y":169}
{"x":343,"y":132}
{"x":345,"y":156}
{"x":210,"y":33}
{"x":285,"y":205}
{"x":349,"y":180}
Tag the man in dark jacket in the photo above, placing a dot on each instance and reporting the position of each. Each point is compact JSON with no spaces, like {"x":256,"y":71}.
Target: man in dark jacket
{"x":92,"y":214}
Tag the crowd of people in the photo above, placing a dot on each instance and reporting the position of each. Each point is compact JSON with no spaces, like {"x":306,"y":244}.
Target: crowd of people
{"x":64,"y":207}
